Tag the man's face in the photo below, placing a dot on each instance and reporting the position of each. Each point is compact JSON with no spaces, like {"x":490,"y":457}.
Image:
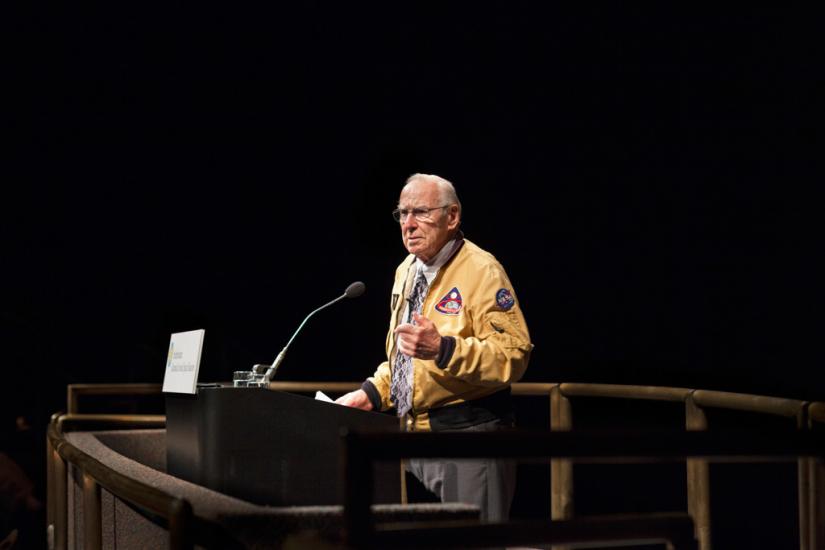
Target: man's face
{"x":424,"y":238}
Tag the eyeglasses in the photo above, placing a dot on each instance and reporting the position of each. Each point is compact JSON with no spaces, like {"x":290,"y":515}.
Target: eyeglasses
{"x":420,"y":214}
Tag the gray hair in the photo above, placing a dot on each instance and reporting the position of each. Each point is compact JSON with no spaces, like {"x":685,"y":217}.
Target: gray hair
{"x":446,"y":189}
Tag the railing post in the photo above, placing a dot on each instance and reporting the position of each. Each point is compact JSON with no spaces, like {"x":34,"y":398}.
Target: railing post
{"x":817,"y":502}
{"x":49,"y":495}
{"x":816,"y":486}
{"x":180,"y":525}
{"x":803,"y":473}
{"x":698,"y":477}
{"x":561,"y":470}
{"x":71,"y":399}
{"x":92,"y":525}
{"x":61,"y":497}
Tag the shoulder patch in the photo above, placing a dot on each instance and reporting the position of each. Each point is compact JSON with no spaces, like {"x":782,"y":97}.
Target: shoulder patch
{"x":451,"y":303}
{"x":504,"y":299}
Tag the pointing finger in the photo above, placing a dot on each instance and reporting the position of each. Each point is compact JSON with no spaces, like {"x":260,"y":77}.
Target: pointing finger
{"x":420,"y":319}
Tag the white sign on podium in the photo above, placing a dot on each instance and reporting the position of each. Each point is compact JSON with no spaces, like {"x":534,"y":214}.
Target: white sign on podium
{"x":183,"y":361}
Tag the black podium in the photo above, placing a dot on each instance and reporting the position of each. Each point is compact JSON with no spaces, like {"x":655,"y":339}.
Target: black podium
{"x":268,"y":447}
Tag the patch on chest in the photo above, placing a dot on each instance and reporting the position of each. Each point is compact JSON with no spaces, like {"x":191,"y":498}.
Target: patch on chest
{"x":451,"y":303}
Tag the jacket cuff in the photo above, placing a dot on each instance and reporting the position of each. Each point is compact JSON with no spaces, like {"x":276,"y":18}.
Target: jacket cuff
{"x":372,"y":394}
{"x":446,"y":352}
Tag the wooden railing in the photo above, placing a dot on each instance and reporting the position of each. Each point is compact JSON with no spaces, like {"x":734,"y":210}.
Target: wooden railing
{"x":815,"y":473}
{"x":804,"y":416}
{"x":172,"y":513}
{"x":176,"y":513}
{"x":674,"y":529}
{"x":696,"y":403}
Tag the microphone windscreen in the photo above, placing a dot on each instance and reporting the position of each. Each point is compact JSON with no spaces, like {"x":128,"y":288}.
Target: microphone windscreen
{"x":355,"y":289}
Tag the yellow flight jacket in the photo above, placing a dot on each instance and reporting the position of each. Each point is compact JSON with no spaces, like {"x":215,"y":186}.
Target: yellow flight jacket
{"x":472,"y":300}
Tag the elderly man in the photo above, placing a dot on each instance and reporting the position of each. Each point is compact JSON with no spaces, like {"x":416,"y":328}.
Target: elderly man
{"x":457,"y":340}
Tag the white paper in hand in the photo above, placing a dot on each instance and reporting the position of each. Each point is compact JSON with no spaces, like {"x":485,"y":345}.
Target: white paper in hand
{"x":321,"y":396}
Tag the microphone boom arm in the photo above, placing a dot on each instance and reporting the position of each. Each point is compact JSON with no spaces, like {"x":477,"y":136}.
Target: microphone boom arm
{"x":273,"y":368}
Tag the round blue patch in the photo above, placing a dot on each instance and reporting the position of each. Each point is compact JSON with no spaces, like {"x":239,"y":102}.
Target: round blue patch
{"x":504,"y":299}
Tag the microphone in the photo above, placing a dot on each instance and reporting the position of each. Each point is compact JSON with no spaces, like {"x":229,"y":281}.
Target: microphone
{"x":354,"y":290}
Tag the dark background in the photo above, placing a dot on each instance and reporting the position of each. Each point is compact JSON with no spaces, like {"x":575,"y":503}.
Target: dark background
{"x":642,"y":175}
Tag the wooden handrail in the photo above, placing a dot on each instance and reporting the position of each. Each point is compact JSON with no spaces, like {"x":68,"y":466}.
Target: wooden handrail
{"x":169,"y":511}
{"x":816,"y":413}
{"x":533,"y":388}
{"x":705,"y":398}
{"x":361,"y":449}
{"x":778,"y":406}
{"x":657,"y":393}
{"x":812,"y":513}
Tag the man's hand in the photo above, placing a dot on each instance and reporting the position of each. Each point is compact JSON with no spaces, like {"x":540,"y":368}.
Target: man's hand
{"x":357,"y":399}
{"x":421,"y":340}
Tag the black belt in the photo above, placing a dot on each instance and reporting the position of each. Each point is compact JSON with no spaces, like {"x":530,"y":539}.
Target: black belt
{"x":491,"y":407}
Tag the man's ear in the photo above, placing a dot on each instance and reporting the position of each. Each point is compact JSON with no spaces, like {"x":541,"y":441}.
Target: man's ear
{"x":453,"y":217}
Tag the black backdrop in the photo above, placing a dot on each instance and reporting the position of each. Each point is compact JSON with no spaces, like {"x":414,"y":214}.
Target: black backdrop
{"x":640,"y":175}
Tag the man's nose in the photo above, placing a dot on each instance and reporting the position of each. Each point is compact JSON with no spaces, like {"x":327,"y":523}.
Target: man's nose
{"x":409,"y":222}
